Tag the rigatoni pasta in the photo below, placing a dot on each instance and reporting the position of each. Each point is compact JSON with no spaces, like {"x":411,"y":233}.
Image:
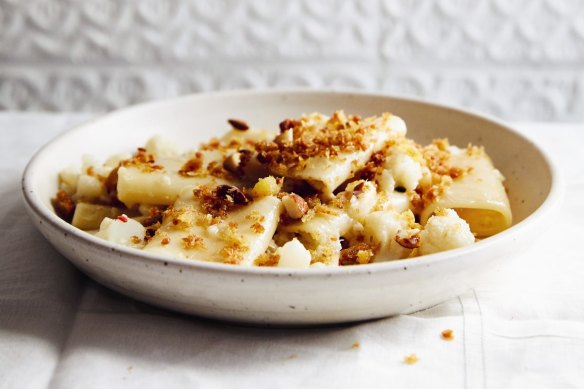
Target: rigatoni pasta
{"x":317,"y":191}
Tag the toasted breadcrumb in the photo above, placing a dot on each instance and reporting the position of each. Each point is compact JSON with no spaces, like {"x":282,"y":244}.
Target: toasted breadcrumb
{"x":219,"y":201}
{"x":255,"y":216}
{"x":339,"y":134}
{"x":448,"y":334}
{"x":64,"y":205}
{"x":411,"y":359}
{"x":267,"y":259}
{"x":193,"y":167}
{"x":143,"y":161}
{"x":258,"y":228}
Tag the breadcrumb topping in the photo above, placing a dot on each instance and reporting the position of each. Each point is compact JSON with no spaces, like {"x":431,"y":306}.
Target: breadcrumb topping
{"x":358,"y":254}
{"x":339,"y":134}
{"x":219,"y":201}
{"x":193,"y":167}
{"x":267,"y":259}
{"x":447,"y":334}
{"x":342,"y":209}
{"x":193,"y":242}
{"x":64,"y":205}
{"x":258,"y":228}
{"x":143,"y":161}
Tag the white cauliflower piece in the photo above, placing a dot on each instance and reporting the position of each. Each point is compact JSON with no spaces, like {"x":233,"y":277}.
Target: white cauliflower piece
{"x":293,"y":255}
{"x":386,"y":181}
{"x":405,"y":170}
{"x":363,"y":198}
{"x":381,"y":229}
{"x":400,"y":202}
{"x":445,"y":230}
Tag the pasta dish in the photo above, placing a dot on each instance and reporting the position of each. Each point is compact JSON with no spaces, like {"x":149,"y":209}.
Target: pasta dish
{"x":318,"y":191}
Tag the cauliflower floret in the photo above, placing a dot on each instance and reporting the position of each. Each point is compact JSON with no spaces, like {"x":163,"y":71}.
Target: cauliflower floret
{"x":363,"y":198}
{"x":405,"y":170}
{"x":445,"y":230}
{"x":381,"y":229}
{"x":400,"y":202}
{"x":294,"y":255}
{"x":386,"y":181}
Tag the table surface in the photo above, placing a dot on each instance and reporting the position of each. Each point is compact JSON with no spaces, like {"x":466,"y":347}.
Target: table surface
{"x":522,"y":327}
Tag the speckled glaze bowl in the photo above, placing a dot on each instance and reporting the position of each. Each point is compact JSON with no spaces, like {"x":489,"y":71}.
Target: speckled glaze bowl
{"x":279,"y":296}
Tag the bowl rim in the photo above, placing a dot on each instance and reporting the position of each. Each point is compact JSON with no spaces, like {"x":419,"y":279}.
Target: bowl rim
{"x":36,"y":206}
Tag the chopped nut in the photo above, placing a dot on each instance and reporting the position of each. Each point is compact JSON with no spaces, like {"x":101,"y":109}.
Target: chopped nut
{"x":295,"y":206}
{"x":407,"y":240}
{"x":218,"y":202}
{"x":360,"y":253}
{"x":356,"y":345}
{"x":285,"y":137}
{"x":359,"y":188}
{"x":448,"y":335}
{"x":165,"y":241}
{"x":232,"y":162}
{"x":288,"y":124}
{"x":154,"y":218}
{"x":235,"y":162}
{"x":238,"y":124}
{"x":232,"y":194}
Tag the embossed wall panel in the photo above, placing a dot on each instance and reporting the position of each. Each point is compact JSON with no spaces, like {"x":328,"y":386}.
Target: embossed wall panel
{"x":518,"y":59}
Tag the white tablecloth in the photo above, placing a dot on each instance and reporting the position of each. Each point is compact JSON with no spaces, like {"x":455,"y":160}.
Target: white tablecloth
{"x":522,"y":328}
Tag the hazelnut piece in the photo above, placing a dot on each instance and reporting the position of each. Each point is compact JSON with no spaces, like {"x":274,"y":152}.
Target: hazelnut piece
{"x":295,"y":206}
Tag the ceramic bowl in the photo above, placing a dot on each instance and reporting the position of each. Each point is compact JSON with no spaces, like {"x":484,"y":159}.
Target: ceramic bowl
{"x":278,"y":296}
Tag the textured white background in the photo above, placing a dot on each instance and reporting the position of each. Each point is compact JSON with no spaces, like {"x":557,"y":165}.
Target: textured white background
{"x":519,"y":59}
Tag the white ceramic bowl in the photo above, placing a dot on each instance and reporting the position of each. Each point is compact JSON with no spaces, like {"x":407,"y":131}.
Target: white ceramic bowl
{"x":279,"y":296}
